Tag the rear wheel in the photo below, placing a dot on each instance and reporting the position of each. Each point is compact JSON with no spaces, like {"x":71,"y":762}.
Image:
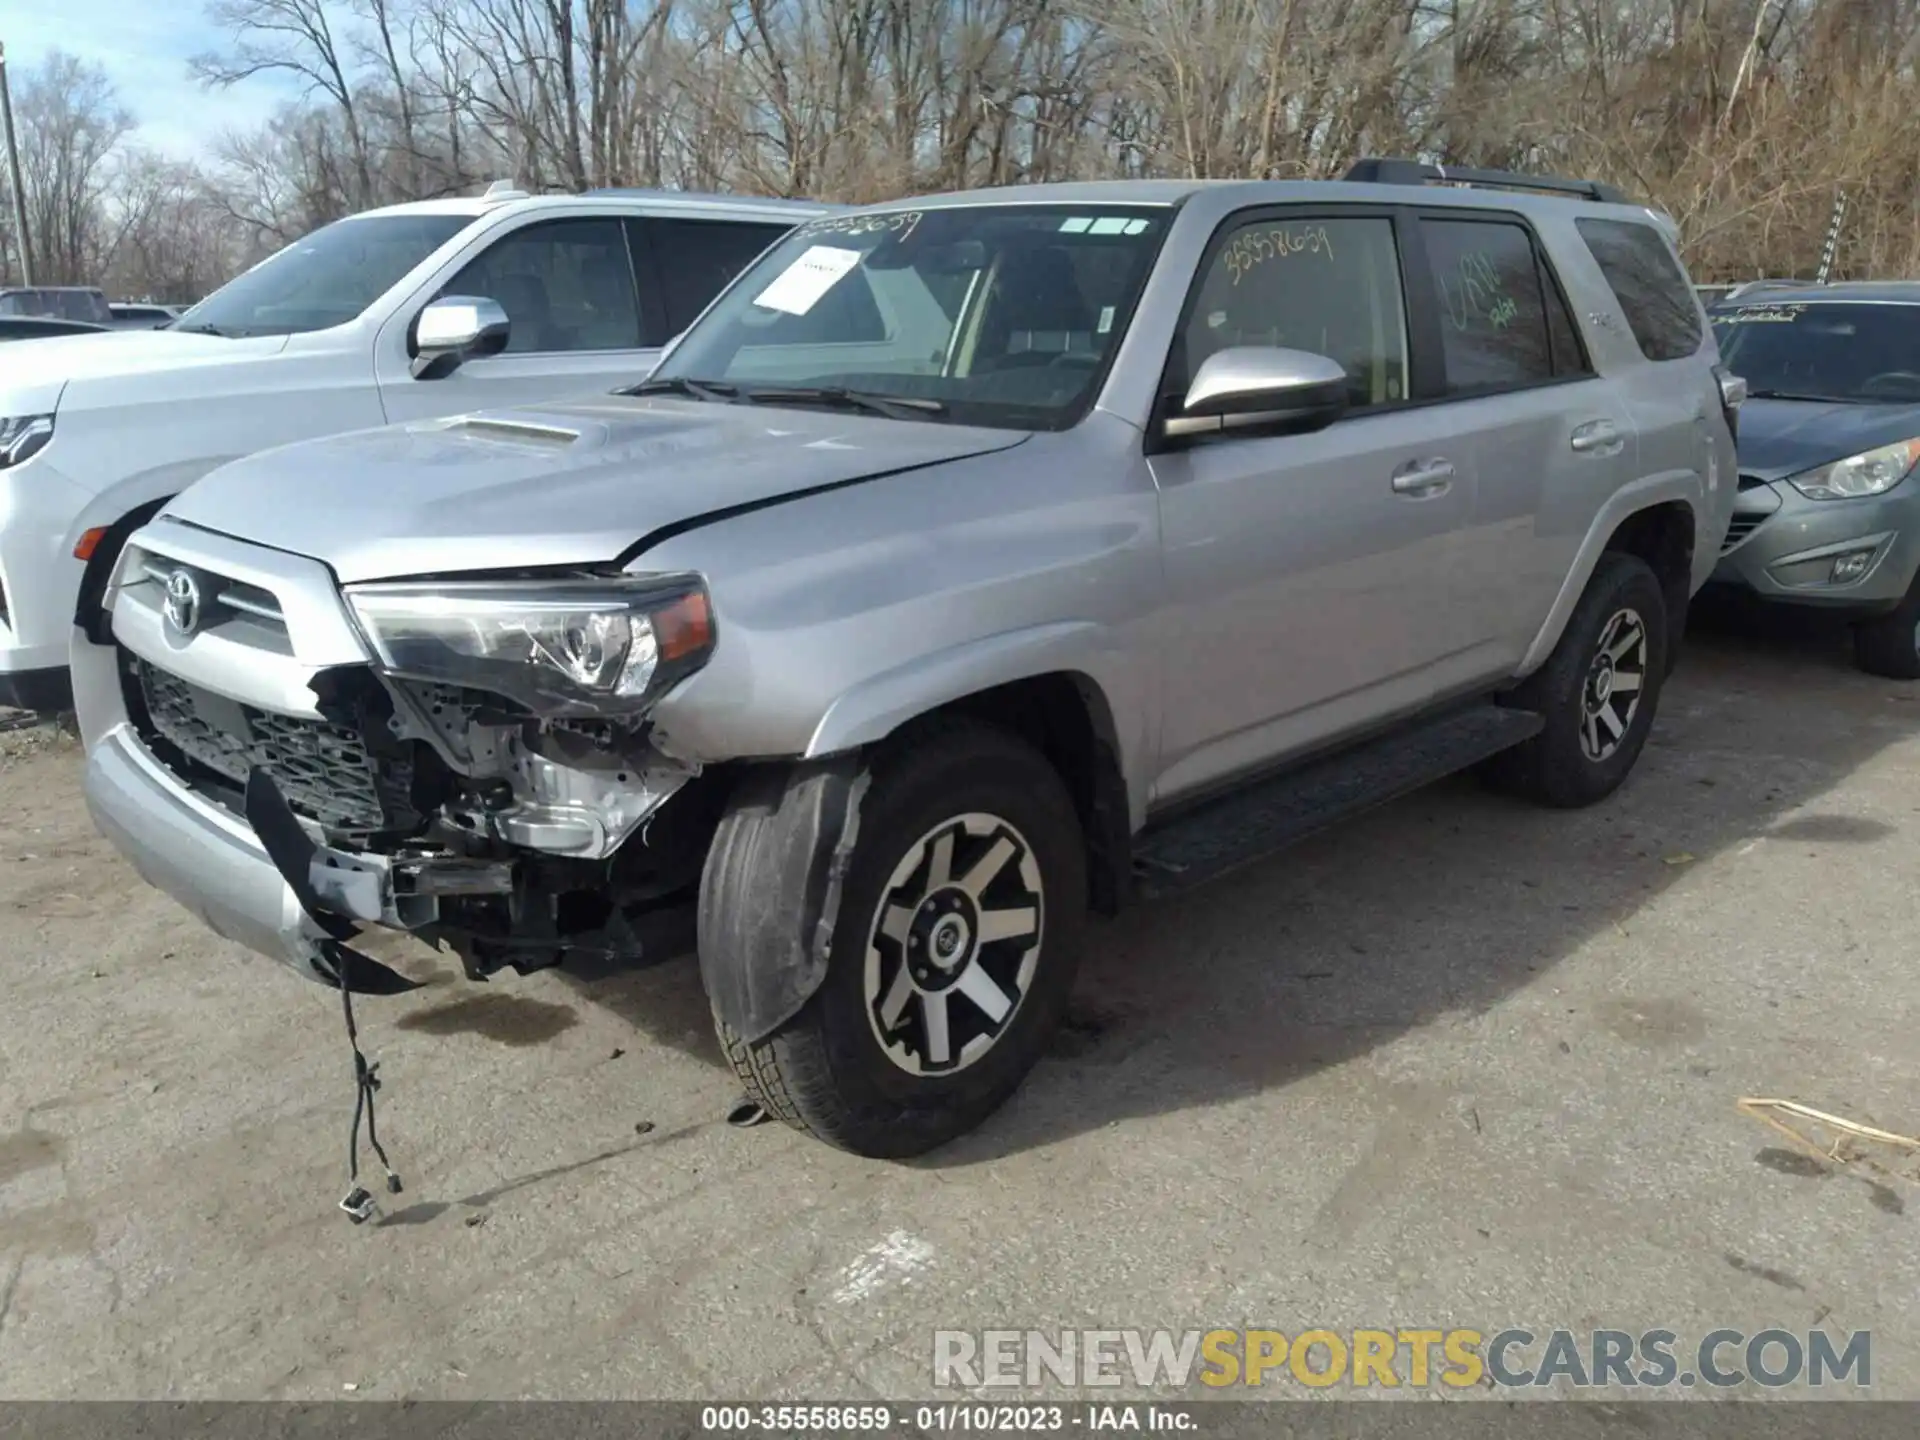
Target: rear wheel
{"x":1889,"y":644}
{"x":952,"y":955}
{"x":1597,"y":692}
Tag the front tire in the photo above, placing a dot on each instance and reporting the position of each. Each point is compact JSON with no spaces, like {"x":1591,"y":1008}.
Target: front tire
{"x":1889,"y":644}
{"x":952,"y":955}
{"x":1597,"y":691}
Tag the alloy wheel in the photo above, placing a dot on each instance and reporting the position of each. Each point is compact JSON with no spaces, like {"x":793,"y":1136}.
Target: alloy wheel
{"x":1616,"y":679}
{"x":954,"y":944}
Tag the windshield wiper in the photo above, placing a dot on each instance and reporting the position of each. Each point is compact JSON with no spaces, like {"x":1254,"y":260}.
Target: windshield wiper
{"x":1796,"y":395}
{"x":717,"y":391}
{"x":894,"y":407}
{"x":201,"y":329}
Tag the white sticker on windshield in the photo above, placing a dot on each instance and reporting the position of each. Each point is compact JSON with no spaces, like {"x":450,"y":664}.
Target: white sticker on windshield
{"x":798,"y":288}
{"x":1136,"y":227}
{"x":1106,"y":319}
{"x":1075,"y":225}
{"x":1110,"y":225}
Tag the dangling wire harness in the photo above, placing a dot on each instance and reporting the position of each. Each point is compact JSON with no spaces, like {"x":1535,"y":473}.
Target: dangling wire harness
{"x":359,"y":1202}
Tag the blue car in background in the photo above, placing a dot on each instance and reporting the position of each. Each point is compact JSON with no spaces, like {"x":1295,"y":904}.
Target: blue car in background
{"x":1828,"y":513}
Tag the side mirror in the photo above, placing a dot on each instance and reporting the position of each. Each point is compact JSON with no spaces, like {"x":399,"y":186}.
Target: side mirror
{"x":455,"y":329}
{"x":1264,"y":388}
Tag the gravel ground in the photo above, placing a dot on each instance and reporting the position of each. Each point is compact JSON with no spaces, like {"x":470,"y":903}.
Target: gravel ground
{"x":1456,"y":1063}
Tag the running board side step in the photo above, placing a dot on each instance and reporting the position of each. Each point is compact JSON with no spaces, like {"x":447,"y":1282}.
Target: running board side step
{"x":1269,"y":815}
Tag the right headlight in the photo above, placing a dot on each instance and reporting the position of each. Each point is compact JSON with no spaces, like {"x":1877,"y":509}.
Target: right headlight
{"x":22,"y":437}
{"x":1872,"y":472}
{"x":563,"y":648}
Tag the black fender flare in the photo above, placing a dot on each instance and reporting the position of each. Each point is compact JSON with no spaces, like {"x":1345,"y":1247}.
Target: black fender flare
{"x":770,"y":891}
{"x":87,"y":614}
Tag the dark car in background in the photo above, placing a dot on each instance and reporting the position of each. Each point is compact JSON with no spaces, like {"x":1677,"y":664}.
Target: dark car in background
{"x":1828,"y":513}
{"x":39,"y":327}
{"x":84,"y":303}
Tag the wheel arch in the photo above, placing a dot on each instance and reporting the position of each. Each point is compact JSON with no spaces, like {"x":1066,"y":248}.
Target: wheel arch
{"x":801,"y":819}
{"x":1663,"y":535}
{"x":88,"y":617}
{"x":1656,"y":519}
{"x":1040,"y":684}
{"x":121,"y":509}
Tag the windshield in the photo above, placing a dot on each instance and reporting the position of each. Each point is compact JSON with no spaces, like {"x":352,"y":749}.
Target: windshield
{"x":1003,"y":315}
{"x":325,"y":279}
{"x":1823,"y":350}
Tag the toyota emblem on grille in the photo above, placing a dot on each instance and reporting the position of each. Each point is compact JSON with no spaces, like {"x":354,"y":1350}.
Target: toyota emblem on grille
{"x":183,"y":601}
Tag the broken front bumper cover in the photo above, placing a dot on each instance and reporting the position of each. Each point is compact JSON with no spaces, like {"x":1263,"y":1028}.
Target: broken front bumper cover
{"x":267,"y":885}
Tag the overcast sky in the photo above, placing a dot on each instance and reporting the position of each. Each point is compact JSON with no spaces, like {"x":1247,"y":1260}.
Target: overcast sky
{"x":144,"y":46}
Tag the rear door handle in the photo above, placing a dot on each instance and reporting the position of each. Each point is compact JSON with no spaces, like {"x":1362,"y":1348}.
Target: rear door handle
{"x":1420,"y":478}
{"x":1596,"y":437}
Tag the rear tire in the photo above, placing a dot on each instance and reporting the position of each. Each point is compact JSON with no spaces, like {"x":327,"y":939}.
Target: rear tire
{"x":952,"y":955}
{"x":1597,"y":692}
{"x":1889,"y":644}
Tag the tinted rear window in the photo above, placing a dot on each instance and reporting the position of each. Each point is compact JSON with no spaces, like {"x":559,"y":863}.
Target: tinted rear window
{"x":1649,"y":285}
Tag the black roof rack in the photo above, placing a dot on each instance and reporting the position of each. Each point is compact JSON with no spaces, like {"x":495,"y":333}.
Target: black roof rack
{"x":1375,"y":171}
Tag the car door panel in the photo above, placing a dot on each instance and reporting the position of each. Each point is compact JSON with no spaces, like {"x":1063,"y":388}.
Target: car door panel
{"x":1310,"y":577}
{"x":1548,"y":457}
{"x":1551,"y":439}
{"x":1309,"y":594}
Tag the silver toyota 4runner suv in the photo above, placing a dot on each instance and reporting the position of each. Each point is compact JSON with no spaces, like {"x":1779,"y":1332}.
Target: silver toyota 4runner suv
{"x":971,"y":563}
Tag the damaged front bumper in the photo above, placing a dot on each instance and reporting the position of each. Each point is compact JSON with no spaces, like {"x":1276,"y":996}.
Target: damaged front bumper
{"x":213,"y":863}
{"x":422,"y":809}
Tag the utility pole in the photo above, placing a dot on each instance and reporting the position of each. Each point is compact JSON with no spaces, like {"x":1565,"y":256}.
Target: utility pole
{"x":24,"y":245}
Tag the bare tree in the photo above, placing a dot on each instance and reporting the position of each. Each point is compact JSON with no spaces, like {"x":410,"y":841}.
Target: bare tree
{"x":1740,"y":117}
{"x":292,"y":37}
{"x":70,"y":123}
{"x":172,"y":239}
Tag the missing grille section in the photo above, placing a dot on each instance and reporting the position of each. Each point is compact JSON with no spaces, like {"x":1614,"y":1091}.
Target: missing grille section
{"x":322,"y":768}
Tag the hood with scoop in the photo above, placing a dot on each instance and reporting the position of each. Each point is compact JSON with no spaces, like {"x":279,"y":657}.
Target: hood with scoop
{"x":555,"y":485}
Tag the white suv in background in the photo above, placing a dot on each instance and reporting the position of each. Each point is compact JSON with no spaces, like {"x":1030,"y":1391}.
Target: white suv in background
{"x":579,"y":293}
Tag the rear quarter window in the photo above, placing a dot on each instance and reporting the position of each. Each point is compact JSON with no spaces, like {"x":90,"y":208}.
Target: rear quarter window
{"x":1647,"y":281}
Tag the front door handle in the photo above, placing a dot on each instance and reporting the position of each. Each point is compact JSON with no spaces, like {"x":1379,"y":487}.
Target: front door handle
{"x":1422,"y":477}
{"x":1596,"y":437}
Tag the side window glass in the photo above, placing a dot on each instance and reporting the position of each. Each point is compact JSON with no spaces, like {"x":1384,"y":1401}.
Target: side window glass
{"x":697,"y":259}
{"x":566,"y":285}
{"x":1329,"y":286}
{"x":1493,"y":322}
{"x":1647,"y":281}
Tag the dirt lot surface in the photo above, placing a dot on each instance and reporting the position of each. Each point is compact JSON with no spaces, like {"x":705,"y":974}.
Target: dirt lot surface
{"x":1456,"y":1063}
